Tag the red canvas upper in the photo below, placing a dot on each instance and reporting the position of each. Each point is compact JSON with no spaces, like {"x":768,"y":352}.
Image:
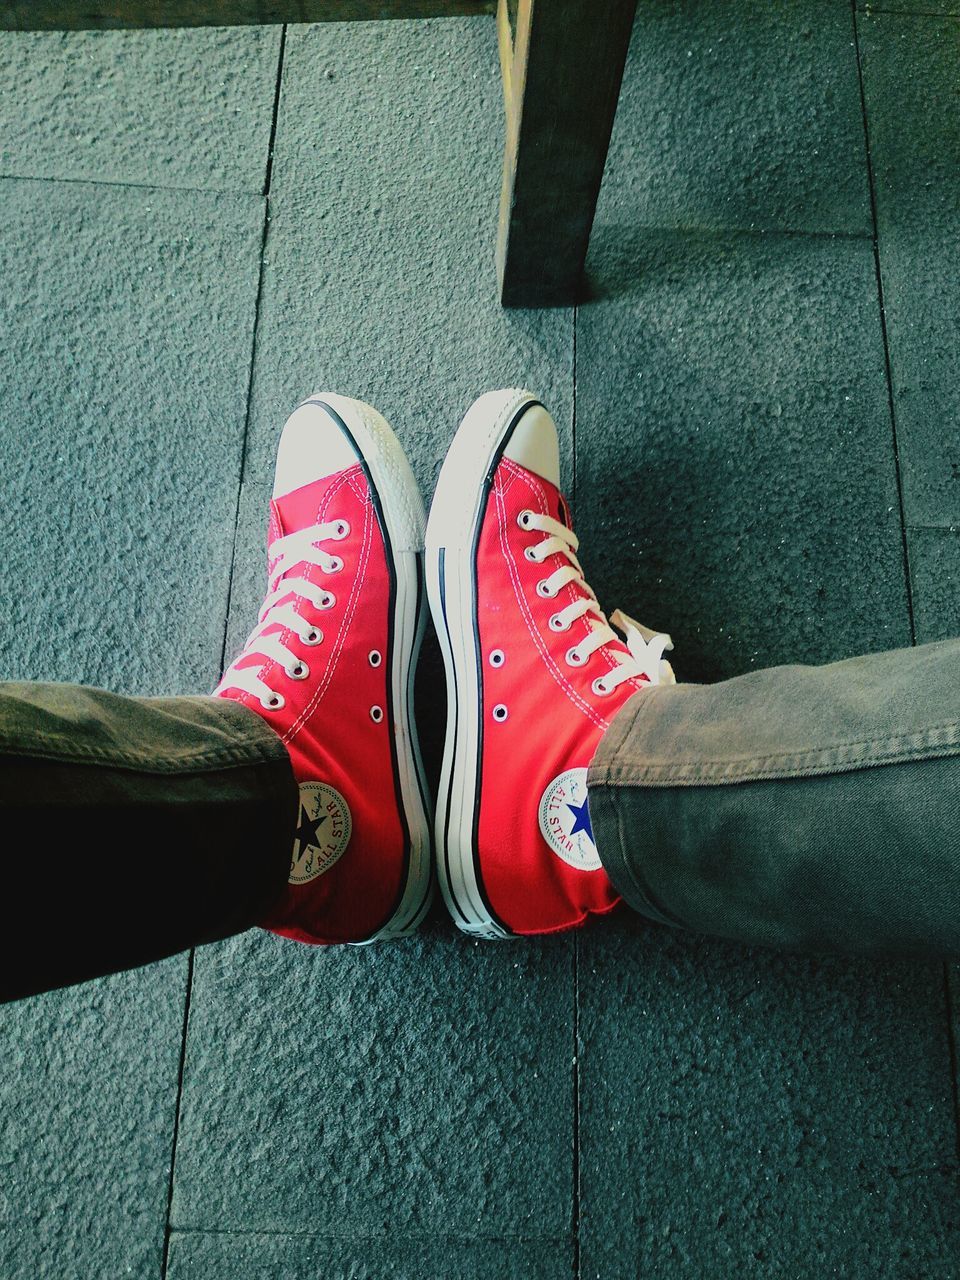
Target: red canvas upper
{"x":352,"y":819}
{"x":536,"y":882}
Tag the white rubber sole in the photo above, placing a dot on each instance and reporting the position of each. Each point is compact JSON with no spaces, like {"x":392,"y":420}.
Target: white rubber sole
{"x":452,"y":529}
{"x":401,"y":507}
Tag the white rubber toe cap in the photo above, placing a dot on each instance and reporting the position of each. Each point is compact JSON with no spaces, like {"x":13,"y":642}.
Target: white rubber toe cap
{"x":312,"y":446}
{"x":534,"y":444}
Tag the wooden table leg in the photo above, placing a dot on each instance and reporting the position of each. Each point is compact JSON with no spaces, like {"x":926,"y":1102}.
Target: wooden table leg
{"x":562,"y":64}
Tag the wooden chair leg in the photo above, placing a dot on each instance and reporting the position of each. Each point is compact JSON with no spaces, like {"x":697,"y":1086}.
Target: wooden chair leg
{"x":562,"y":64}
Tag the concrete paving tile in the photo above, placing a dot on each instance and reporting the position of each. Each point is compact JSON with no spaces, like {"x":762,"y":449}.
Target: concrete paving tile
{"x":910,"y":79}
{"x":164,"y":108}
{"x":736,"y":480}
{"x":758,"y":1115}
{"x":88,"y":1093}
{"x":129,"y":316}
{"x":935,"y":582}
{"x":417,"y":1088}
{"x":243,"y":1257}
{"x":740,"y":115}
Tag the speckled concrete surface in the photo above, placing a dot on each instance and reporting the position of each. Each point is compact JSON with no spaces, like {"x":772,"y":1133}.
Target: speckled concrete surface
{"x":252,"y":1257}
{"x":127,"y":316}
{"x":88,"y":1103}
{"x":742,"y":115}
{"x":910,"y":69}
{"x":420,"y":1090}
{"x":629,"y":1102}
{"x":160,"y":108}
{"x":750,"y":1114}
{"x":755,"y":517}
{"x":934,"y":574}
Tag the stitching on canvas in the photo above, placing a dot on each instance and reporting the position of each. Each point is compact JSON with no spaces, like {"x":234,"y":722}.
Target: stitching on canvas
{"x":344,"y":626}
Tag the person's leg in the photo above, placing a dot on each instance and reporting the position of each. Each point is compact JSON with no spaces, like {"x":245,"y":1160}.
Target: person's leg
{"x":292,"y":798}
{"x":797,"y":807}
{"x":804,"y":807}
{"x":135,"y":828}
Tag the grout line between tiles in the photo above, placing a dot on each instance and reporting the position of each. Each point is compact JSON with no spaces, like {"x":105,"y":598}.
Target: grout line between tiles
{"x":188,"y":990}
{"x":883,"y":326}
{"x":239,"y":193}
{"x":226,"y":621}
{"x":947,"y":993}
{"x":268,"y":177}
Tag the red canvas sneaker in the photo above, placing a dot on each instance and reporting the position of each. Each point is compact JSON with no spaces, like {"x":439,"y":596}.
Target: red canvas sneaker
{"x":330,"y":668}
{"x":534,"y":674}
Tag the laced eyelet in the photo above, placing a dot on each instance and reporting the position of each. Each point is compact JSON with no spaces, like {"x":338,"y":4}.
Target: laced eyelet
{"x":557,"y":623}
{"x":276,"y":702}
{"x":599,"y":688}
{"x":500,"y":712}
{"x":530,"y":553}
{"x":374,"y":657}
{"x":298,"y":672}
{"x":574,"y":658}
{"x":313,"y":636}
{"x":524,"y":518}
{"x":376,"y":714}
{"x":341,"y":529}
{"x":497,"y":658}
{"x":328,"y":600}
{"x":336,"y":564}
{"x":543,"y":589}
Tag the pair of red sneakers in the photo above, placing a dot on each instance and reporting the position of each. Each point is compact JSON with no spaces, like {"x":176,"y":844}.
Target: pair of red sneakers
{"x":534,"y":676}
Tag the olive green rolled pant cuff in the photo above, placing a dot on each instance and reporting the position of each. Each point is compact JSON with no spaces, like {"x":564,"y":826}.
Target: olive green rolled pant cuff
{"x":812,"y":808}
{"x":135,"y":828}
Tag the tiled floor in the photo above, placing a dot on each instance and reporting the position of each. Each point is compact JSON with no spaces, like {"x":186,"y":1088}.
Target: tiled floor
{"x":764,"y":459}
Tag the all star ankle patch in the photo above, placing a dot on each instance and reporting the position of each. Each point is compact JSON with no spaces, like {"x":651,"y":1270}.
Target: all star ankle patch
{"x":565,"y":820}
{"x":323,"y":831}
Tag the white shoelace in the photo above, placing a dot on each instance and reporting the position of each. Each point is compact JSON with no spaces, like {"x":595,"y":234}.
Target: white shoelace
{"x":645,"y":647}
{"x":281,"y":608}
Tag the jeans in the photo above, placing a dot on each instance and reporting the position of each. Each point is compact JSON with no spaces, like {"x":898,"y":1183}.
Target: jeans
{"x":802,"y":807}
{"x":136,"y":827}
{"x":814,"y":808}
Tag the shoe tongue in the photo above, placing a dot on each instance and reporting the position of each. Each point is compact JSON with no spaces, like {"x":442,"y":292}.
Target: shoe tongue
{"x":558,"y":506}
{"x":564,"y":514}
{"x":301,"y":507}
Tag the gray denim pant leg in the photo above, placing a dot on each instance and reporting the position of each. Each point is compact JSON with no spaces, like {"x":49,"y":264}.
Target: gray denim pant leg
{"x":804,"y":807}
{"x":134,"y":828}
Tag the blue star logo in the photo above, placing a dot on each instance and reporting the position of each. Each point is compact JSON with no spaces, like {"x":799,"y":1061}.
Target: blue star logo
{"x":581,"y":814}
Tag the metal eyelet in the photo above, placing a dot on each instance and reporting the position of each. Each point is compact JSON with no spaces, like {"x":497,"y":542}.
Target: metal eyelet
{"x":313,"y":636}
{"x":500,"y":712}
{"x":376,"y":714}
{"x":275,"y":703}
{"x":557,"y":623}
{"x":543,"y":590}
{"x":299,"y":672}
{"x":524,"y":518}
{"x":599,"y":688}
{"x":574,"y":658}
{"x":336,"y":564}
{"x":497,"y":658}
{"x":530,"y":553}
{"x":328,"y":600}
{"x":374,"y":657}
{"x":341,"y":529}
